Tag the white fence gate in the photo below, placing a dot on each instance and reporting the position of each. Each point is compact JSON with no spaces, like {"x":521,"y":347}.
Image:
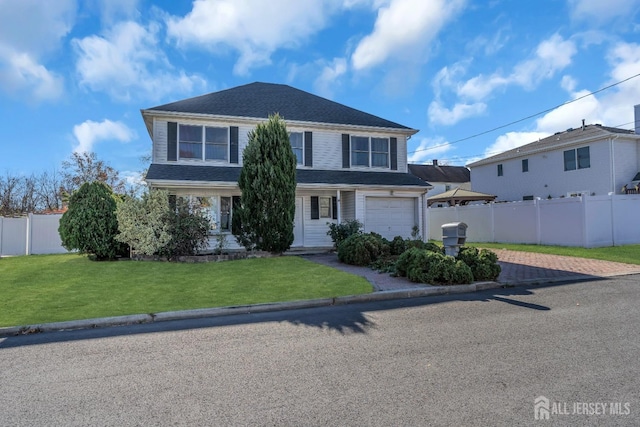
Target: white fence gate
{"x":588,"y":221}
{"x":32,"y":234}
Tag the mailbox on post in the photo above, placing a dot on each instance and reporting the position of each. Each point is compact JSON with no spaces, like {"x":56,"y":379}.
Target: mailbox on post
{"x":454,"y":235}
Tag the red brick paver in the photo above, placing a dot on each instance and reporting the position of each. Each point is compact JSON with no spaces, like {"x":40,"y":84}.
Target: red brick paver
{"x":519,"y":267}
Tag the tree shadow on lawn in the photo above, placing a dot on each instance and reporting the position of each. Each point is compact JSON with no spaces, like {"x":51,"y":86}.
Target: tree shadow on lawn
{"x":345,"y":319}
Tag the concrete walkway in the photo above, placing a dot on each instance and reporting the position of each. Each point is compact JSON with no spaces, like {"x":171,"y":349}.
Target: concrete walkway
{"x":517,"y":268}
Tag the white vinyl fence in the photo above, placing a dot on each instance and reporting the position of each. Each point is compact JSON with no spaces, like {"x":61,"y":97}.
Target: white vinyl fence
{"x":32,"y":234}
{"x":587,"y":221}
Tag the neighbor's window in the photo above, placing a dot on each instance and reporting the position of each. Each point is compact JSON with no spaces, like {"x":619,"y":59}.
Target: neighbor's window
{"x":297,"y":145}
{"x":325,"y":207}
{"x":527,"y":197}
{"x":500,"y":172}
{"x":203,"y":142}
{"x":584,"y":159}
{"x":579,"y":159}
{"x":525,"y":165}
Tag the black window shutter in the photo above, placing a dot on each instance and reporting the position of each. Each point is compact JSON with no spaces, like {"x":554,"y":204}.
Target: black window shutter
{"x":334,"y":207}
{"x":346,"y":153}
{"x":233,"y":144}
{"x":236,"y":225}
{"x":172,"y":202}
{"x":315,"y":207}
{"x":393,"y":151}
{"x":308,"y":149}
{"x":172,"y":141}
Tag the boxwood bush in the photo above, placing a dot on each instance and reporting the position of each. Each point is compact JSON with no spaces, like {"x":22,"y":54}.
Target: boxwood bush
{"x":425,"y":266}
{"x":484,"y":263}
{"x":362,"y":249}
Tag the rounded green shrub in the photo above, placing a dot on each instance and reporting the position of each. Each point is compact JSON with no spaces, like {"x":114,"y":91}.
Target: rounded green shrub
{"x":424,"y":266}
{"x":90,"y":224}
{"x":483,"y":263}
{"x":362,"y":249}
{"x":398,"y":245}
{"x":424,"y":245}
{"x":340,"y":232}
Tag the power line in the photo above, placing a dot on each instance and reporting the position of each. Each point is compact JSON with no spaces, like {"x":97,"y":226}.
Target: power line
{"x":525,"y":118}
{"x":473,"y":156}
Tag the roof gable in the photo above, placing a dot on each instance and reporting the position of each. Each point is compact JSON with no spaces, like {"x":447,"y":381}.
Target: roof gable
{"x":437,"y":173}
{"x":259,"y":100}
{"x":557,"y":140}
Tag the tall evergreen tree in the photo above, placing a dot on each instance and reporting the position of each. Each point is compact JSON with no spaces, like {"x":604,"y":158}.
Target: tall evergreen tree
{"x":90,"y":225}
{"x":264,"y":218}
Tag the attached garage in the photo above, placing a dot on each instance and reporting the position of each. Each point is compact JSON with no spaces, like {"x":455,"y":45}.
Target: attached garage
{"x":390,"y":216}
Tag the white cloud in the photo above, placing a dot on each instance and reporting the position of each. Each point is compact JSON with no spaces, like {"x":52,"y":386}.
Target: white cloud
{"x":329,"y":77}
{"x":403,"y":29}
{"x":601,"y":11}
{"x":127,"y":62}
{"x":19,"y":72}
{"x":112,"y":11}
{"x":551,"y":56}
{"x":445,"y":116}
{"x":88,"y":133}
{"x":255,"y":29}
{"x":428,"y":148}
{"x":29,"y":31}
{"x":512,"y":140}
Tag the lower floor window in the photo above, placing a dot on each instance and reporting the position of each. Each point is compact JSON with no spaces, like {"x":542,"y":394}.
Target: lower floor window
{"x":325,"y":207}
{"x":217,"y":209}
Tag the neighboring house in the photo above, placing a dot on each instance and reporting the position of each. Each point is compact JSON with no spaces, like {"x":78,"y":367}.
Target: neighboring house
{"x":442,"y":178}
{"x":590,"y":160}
{"x":351,"y":164}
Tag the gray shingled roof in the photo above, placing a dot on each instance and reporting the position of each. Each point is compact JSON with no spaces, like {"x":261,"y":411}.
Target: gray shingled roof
{"x":437,"y":173}
{"x":259,"y":100}
{"x":558,"y":139}
{"x":165,"y":172}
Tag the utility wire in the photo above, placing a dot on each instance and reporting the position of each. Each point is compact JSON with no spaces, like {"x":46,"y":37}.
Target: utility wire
{"x":524,"y":118}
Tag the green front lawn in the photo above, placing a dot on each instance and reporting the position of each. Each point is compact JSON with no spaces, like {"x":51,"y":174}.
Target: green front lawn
{"x":629,"y":254}
{"x":51,"y":288}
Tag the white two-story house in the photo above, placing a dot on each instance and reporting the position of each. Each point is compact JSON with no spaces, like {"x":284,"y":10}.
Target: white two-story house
{"x":351,"y":164}
{"x":588,"y":160}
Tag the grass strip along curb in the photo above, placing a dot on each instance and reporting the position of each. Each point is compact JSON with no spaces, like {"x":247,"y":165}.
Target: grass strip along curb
{"x":246,"y":309}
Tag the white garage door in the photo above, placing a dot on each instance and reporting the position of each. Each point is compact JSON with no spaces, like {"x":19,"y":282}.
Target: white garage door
{"x":390,"y":217}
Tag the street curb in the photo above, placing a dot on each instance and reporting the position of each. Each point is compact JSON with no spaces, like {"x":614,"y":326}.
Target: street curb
{"x":246,"y":309}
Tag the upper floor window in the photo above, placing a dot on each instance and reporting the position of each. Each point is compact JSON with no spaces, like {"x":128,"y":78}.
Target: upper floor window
{"x":297,"y":144}
{"x":367,"y":151}
{"x":577,"y":159}
{"x":525,"y":165}
{"x":500,"y":171}
{"x":203,"y":142}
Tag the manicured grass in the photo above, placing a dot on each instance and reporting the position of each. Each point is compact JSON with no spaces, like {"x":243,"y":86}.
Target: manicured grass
{"x":629,"y":254}
{"x":51,"y":288}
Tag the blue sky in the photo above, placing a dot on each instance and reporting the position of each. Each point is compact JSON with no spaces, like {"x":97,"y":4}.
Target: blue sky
{"x":75,"y":74}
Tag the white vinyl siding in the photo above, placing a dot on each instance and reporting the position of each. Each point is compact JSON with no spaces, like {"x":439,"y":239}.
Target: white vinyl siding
{"x":547,"y":177}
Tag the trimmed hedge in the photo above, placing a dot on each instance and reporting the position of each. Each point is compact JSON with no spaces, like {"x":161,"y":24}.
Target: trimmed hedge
{"x":362,"y":249}
{"x":484,"y":263}
{"x":424,"y":266}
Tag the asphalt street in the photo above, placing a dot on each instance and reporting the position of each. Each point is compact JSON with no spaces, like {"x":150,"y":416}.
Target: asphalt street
{"x":466,"y":360}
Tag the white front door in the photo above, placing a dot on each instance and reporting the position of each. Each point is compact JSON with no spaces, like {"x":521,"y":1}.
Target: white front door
{"x":298,"y":226}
